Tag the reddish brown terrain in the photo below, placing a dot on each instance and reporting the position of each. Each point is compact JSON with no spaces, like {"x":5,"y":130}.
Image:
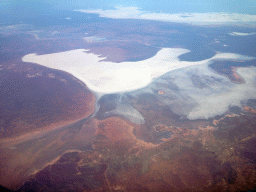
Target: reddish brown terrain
{"x":40,"y":99}
{"x":83,"y":153}
{"x":228,"y":68}
{"x":57,"y":135}
{"x":35,"y":102}
{"x":200,"y":159}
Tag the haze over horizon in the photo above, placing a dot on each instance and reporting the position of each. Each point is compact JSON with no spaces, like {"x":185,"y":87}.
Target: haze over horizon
{"x":176,"y":6}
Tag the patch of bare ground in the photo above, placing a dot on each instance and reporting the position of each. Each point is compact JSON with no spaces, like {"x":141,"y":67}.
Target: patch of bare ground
{"x":236,"y":78}
{"x":40,"y":103}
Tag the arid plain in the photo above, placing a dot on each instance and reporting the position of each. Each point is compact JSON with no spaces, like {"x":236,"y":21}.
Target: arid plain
{"x":184,"y":120}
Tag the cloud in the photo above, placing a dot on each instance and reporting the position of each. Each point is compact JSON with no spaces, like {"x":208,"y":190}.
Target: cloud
{"x":191,"y":18}
{"x":227,"y":94}
{"x":198,"y":92}
{"x":14,"y":29}
{"x":232,"y":56}
{"x":191,"y":88}
{"x":109,"y":77}
{"x":241,"y":34}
